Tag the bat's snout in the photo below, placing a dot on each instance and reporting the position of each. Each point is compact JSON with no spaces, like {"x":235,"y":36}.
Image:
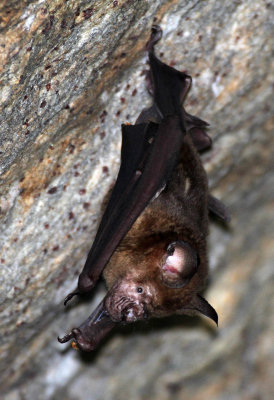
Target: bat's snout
{"x":134,"y":313}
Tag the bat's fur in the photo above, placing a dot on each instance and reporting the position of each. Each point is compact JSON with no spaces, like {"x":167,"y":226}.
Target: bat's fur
{"x":179,"y":213}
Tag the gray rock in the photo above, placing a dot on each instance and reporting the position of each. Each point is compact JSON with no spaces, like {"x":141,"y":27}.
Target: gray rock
{"x":71,"y":73}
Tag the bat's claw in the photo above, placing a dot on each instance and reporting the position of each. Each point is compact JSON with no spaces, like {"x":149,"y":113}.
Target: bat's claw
{"x":70,"y":296}
{"x":65,"y":338}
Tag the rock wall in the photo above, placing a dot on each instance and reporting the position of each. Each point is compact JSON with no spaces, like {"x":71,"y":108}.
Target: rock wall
{"x":70,"y":73}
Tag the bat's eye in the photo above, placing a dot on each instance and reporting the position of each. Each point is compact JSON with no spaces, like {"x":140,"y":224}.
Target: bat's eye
{"x":139,"y":289}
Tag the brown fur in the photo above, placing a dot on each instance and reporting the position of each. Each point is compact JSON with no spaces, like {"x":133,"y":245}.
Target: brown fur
{"x":173,"y":215}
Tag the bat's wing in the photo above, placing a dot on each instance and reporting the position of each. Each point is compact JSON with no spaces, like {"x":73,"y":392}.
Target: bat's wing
{"x":149,"y":154}
{"x":195,"y":126}
{"x":89,"y":334}
{"x":149,"y":114}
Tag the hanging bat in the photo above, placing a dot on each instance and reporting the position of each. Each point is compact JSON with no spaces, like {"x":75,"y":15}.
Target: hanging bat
{"x":151,"y":242}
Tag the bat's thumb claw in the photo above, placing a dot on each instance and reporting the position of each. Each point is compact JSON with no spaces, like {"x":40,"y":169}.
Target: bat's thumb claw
{"x":70,"y":296}
{"x":65,"y":338}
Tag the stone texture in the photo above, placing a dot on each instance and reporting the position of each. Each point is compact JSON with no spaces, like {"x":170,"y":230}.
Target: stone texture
{"x":71,"y":72}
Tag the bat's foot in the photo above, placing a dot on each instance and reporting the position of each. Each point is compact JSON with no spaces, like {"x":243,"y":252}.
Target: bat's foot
{"x":200,"y":139}
{"x":70,"y":296}
{"x":156,"y":34}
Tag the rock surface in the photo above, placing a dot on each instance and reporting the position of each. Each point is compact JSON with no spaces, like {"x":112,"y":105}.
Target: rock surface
{"x":70,"y":73}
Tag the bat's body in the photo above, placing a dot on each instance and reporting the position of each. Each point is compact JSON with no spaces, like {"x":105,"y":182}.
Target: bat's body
{"x":151,"y":243}
{"x":178,"y":213}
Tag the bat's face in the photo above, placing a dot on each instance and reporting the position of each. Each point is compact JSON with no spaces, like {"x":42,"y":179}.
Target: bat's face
{"x":130,"y":300}
{"x":159,"y":286}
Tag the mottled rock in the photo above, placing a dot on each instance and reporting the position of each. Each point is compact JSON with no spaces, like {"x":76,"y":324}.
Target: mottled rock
{"x":71,"y":73}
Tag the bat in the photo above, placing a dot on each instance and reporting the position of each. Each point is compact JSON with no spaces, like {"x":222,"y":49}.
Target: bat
{"x":151,"y":243}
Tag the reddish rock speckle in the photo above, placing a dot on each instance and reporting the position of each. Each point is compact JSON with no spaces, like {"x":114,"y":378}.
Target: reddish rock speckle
{"x":88,"y":12}
{"x":86,"y":205}
{"x":71,"y":215}
{"x":43,"y":104}
{"x":52,"y":190}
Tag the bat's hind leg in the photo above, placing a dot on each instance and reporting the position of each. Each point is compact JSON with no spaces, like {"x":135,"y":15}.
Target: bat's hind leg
{"x":200,"y":139}
{"x":197,"y":130}
{"x":156,"y":34}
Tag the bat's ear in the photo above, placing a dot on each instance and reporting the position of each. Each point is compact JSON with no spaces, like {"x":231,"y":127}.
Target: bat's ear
{"x":179,"y":264}
{"x":200,"y":304}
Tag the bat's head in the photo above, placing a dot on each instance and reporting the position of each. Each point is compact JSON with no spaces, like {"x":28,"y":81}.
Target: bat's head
{"x":163,"y":282}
